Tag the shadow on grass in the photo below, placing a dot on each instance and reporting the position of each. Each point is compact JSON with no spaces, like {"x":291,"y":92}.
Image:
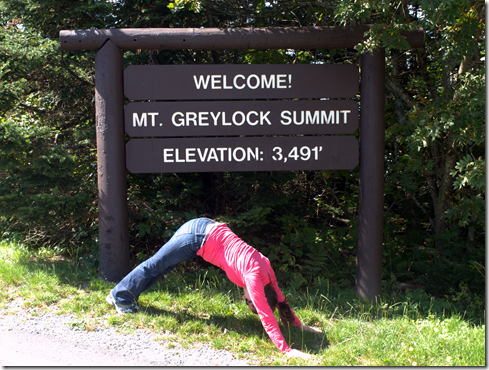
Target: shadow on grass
{"x":246,"y":326}
{"x":344,"y":304}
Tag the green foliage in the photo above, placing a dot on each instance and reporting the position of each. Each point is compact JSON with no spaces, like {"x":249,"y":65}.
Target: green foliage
{"x":435,"y":141}
{"x":46,"y":179}
{"x":39,"y":182}
{"x":51,"y":16}
{"x":193,"y":5}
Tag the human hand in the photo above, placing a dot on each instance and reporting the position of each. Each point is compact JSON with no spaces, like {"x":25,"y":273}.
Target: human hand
{"x":297,"y":353}
{"x":311,"y":329}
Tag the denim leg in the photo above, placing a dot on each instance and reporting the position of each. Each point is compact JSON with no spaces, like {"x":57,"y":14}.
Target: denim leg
{"x":182,"y":246}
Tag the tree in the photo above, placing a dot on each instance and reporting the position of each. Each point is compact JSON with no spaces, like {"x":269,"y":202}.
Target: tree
{"x":435,"y":138}
{"x":438,"y":91}
{"x":45,"y":171}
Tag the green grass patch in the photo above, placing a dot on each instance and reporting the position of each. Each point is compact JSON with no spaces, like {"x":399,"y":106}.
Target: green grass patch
{"x":204,"y":306}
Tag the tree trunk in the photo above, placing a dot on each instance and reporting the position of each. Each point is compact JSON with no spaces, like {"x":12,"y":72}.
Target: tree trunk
{"x":441,"y":183}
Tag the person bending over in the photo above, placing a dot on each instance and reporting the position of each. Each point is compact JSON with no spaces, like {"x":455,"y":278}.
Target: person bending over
{"x":243,"y":264}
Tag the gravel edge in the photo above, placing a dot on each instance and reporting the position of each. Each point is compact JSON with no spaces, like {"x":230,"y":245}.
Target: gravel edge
{"x":102,"y":345}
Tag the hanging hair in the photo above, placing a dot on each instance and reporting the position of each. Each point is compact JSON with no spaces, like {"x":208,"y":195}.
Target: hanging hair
{"x":284,"y":310}
{"x":271,"y":296}
{"x":285,"y":313}
{"x":271,"y":299}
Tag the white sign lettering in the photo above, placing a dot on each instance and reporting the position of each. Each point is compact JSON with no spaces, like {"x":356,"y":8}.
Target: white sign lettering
{"x":240,"y":81}
{"x":257,"y":117}
{"x":313,"y":117}
{"x":238,"y":118}
{"x":143,"y":121}
{"x":238,"y":154}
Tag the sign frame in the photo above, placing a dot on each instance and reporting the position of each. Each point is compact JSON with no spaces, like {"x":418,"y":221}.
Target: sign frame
{"x":112,"y":196}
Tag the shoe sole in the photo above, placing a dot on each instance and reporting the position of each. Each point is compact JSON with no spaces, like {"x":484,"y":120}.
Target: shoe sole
{"x":110,"y":300}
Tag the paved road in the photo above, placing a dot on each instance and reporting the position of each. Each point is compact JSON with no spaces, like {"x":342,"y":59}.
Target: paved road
{"x":24,"y":349}
{"x":39,"y":338}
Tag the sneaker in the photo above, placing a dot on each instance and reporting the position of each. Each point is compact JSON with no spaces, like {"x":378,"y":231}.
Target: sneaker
{"x":122,"y":308}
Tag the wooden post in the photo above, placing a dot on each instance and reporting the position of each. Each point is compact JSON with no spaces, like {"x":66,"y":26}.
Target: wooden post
{"x":371,"y":199}
{"x":112,"y":192}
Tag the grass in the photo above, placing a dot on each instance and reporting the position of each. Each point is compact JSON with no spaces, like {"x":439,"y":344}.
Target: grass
{"x":206,"y":307}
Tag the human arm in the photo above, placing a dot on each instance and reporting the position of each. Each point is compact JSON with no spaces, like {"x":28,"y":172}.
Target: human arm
{"x":286,"y":313}
{"x":269,"y":322}
{"x":255,"y":290}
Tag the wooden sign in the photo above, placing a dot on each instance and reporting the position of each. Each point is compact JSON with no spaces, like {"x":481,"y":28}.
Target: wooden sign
{"x":240,"y":81}
{"x":232,"y":118}
{"x":242,"y":154}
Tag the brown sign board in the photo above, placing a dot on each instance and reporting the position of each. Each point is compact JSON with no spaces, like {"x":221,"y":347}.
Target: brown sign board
{"x":224,"y":154}
{"x":232,"y":118}
{"x":240,"y":81}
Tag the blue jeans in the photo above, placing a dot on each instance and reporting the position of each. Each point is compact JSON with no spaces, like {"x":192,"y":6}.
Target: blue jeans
{"x":182,"y":246}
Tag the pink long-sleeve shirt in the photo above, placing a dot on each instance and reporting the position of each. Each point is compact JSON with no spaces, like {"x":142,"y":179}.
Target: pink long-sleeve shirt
{"x":246,"y":267}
